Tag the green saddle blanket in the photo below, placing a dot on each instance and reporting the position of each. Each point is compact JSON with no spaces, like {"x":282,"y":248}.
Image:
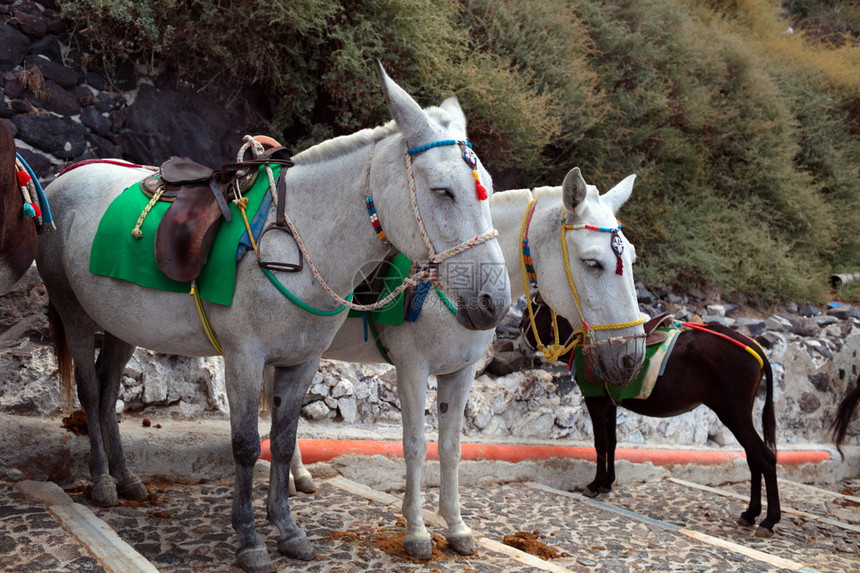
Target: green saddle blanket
{"x":656,"y":357}
{"x":115,"y":253}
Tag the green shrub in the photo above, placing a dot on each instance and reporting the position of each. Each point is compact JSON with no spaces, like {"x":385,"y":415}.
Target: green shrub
{"x":745,"y":139}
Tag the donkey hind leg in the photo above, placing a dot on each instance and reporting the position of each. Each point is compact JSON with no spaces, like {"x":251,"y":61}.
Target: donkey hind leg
{"x":412,"y":390}
{"x":453,"y":391}
{"x":300,"y":478}
{"x":109,"y":367}
{"x":289,"y":387}
{"x":80,"y":338}
{"x":762,"y":463}
{"x":602,"y":415}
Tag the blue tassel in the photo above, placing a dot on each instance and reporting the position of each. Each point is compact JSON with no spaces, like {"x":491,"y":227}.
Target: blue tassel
{"x":29,"y":212}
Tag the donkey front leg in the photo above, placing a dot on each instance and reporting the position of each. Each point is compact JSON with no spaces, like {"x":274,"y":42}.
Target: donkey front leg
{"x":453,"y":391}
{"x":289,"y":387}
{"x":243,"y":377}
{"x":602,"y":414}
{"x":412,"y":389}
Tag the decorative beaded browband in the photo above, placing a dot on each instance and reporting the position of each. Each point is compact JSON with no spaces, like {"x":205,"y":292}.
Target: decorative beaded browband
{"x":615,"y":241}
{"x":468,"y":156}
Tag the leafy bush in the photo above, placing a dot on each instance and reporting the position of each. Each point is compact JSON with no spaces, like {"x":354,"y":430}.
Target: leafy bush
{"x":745,"y":138}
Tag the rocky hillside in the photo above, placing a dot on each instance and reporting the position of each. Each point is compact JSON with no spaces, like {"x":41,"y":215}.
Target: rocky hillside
{"x":61,"y":111}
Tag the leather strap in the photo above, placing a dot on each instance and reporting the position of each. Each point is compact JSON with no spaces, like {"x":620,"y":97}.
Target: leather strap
{"x":219,"y":197}
{"x":281,"y":225}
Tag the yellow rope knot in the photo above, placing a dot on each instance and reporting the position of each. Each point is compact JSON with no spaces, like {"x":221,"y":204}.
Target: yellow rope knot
{"x":242,"y":204}
{"x":554,"y":351}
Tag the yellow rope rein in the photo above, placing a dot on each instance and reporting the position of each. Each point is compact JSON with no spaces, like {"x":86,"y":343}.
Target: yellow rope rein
{"x":553,"y":352}
{"x":210,"y":332}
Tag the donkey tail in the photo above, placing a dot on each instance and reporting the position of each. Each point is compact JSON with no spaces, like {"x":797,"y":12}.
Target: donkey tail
{"x":62,"y":355}
{"x":768,"y":417}
{"x":844,"y":413}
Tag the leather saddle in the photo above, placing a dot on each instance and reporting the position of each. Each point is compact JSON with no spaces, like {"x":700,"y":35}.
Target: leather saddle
{"x":199,"y":201}
{"x":654,"y":336}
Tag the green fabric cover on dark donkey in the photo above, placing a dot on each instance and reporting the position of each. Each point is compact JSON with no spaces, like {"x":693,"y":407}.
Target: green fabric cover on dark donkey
{"x":115,"y":253}
{"x":392,"y":313}
{"x":655,"y":357}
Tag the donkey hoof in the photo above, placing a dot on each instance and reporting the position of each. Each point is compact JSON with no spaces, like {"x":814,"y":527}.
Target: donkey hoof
{"x":297,"y":547}
{"x":255,"y":559}
{"x":103,"y":493}
{"x":306,"y":484}
{"x":418,"y":547}
{"x":133,"y":489}
{"x":463,"y":544}
{"x":589,"y":492}
{"x":745,"y":521}
{"x":764,"y":533}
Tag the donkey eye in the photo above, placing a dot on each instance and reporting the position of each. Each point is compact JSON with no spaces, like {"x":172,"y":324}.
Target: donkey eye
{"x":592,"y":264}
{"x":443,"y":192}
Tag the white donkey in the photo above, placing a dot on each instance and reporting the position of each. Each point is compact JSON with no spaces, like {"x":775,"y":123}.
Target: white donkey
{"x":569,"y":238}
{"x":434,"y":212}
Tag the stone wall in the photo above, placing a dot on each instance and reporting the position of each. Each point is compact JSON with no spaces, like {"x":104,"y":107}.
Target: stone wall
{"x":814,"y":359}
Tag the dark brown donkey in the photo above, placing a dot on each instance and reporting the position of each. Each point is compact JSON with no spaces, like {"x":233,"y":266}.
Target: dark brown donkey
{"x":18,"y":238}
{"x":702,"y":369}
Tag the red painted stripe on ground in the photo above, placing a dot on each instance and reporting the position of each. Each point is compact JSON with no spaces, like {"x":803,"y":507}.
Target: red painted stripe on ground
{"x":324,"y":450}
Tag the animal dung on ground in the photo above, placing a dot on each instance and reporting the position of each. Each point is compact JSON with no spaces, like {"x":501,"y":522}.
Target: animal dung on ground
{"x":389,"y":539}
{"x":531,"y":544}
{"x":76,"y":423}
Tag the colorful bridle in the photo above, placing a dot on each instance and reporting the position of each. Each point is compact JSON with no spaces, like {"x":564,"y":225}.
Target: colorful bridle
{"x":434,"y":258}
{"x":426,"y":270}
{"x":585,"y":335}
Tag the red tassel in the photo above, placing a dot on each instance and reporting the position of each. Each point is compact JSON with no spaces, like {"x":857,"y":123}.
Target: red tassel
{"x":36,"y":209}
{"x":23,"y":178}
{"x":619,"y":266}
{"x":482,"y":192}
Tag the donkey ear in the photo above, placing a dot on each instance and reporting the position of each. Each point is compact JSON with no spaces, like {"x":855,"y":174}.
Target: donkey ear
{"x":573,"y":190}
{"x":618,"y":195}
{"x":452,"y":106}
{"x":410,"y":118}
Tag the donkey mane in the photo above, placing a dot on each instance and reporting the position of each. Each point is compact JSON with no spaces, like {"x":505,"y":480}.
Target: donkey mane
{"x":344,"y":144}
{"x":550,"y":193}
{"x":511,"y":197}
{"x":547,"y":193}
